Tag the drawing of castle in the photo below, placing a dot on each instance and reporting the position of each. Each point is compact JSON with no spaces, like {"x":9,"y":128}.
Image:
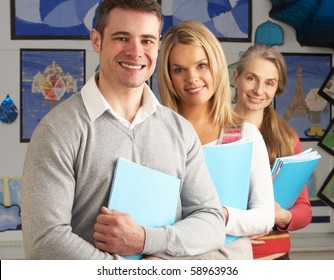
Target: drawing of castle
{"x":53,"y":82}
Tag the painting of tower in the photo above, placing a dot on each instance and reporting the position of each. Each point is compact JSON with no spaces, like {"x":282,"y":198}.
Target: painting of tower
{"x":300,"y":104}
{"x":297,"y":105}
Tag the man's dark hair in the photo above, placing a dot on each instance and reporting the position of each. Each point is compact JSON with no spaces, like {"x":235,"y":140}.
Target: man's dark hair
{"x":150,"y":6}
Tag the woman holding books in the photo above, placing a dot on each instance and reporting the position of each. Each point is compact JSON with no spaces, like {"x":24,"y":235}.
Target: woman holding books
{"x":259,"y":77}
{"x":193,"y":80}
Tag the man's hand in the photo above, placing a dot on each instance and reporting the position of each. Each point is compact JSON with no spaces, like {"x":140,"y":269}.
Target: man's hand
{"x":116,"y":232}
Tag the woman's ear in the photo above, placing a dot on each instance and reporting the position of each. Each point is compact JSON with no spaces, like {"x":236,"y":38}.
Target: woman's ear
{"x":235,"y":78}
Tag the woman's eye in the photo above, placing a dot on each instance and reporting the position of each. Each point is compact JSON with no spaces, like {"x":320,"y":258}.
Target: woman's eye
{"x":271,"y":84}
{"x":178,"y":70}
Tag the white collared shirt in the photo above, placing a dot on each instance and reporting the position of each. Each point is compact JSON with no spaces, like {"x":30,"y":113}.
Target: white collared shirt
{"x":96,"y":104}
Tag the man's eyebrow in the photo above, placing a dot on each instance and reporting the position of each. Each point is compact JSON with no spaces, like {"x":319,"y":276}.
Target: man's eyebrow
{"x":125,"y":33}
{"x":120,"y":33}
{"x":150,"y":36}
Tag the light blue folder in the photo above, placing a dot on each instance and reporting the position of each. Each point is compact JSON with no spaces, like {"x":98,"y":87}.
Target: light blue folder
{"x":290,"y":177}
{"x":148,"y":195}
{"x":229,"y":165}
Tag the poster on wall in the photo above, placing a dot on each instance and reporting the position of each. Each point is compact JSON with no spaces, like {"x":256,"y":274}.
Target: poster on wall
{"x":327,"y":88}
{"x":228,"y":20}
{"x":326,"y":192}
{"x":10,"y":212}
{"x":45,"y":19}
{"x":327,"y":141}
{"x":300,"y":104}
{"x":48,"y":77}
{"x":73,"y":19}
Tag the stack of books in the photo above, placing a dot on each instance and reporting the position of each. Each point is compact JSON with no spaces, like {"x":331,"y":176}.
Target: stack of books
{"x":290,"y":174}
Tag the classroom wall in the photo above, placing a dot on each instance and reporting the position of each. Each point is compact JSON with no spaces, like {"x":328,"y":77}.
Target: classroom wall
{"x":12,"y":152}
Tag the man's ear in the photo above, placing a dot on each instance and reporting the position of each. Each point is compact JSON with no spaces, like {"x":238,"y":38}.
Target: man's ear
{"x":96,"y":40}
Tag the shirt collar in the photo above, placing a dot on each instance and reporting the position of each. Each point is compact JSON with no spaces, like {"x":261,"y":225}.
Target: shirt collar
{"x":96,"y":104}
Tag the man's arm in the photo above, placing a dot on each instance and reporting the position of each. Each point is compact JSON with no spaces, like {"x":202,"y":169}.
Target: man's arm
{"x":47,"y":199}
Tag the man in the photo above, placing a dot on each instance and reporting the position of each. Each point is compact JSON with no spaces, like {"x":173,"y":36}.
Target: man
{"x":72,"y":154}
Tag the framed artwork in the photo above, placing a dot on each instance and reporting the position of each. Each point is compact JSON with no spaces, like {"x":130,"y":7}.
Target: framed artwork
{"x":229,"y":20}
{"x":48,"y":76}
{"x":45,"y":19}
{"x":321,"y":217}
{"x":327,"y":141}
{"x":10,"y":211}
{"x":327,"y":88}
{"x":300,"y":104}
{"x":326,"y":192}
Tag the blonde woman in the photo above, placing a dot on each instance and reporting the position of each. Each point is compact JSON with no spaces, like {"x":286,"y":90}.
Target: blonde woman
{"x":193,"y":80}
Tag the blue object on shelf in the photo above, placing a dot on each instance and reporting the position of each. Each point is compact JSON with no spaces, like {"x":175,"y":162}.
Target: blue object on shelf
{"x":269,"y":34}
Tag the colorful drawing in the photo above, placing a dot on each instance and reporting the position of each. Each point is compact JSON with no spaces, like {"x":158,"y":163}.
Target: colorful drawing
{"x":326,"y":192}
{"x":327,"y":141}
{"x":308,"y":113}
{"x":10,"y":216}
{"x":327,"y":88}
{"x":48,"y":77}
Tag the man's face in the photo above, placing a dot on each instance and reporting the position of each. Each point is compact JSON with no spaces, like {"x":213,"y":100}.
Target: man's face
{"x":129,"y":48}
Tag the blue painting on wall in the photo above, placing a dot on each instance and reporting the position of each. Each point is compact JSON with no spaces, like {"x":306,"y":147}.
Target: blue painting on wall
{"x":52,"y":19}
{"x":10,"y":212}
{"x":228,"y":20}
{"x":48,"y":77}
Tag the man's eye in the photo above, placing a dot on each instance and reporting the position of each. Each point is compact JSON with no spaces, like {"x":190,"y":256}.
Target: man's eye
{"x":148,"y":42}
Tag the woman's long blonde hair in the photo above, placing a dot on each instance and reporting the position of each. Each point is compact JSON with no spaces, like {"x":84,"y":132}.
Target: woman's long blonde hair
{"x":195,"y":33}
{"x":277,"y":134}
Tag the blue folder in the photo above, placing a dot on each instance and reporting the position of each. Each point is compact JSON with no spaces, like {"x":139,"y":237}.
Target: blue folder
{"x":290,"y":174}
{"x":229,"y":165}
{"x":149,"y":196}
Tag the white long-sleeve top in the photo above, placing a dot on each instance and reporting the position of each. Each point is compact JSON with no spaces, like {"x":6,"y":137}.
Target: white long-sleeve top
{"x":260,"y":214}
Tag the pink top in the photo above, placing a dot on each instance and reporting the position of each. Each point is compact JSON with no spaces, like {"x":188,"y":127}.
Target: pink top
{"x":278,"y":241}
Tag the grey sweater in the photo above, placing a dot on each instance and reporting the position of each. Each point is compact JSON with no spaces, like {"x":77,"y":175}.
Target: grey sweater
{"x":69,"y":168}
